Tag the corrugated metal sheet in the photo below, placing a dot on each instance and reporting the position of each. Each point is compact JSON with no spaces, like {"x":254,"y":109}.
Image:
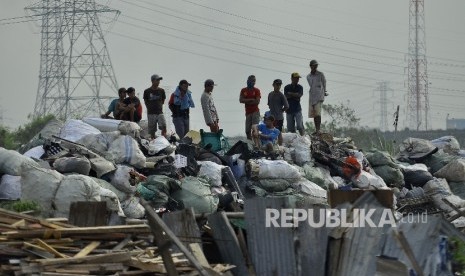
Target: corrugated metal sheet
{"x":271,"y":249}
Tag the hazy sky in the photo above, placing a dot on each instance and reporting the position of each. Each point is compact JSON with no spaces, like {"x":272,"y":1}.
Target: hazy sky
{"x":358,"y":44}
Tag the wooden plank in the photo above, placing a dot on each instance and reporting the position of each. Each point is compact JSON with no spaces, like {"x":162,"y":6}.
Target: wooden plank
{"x":123,"y":243}
{"x":21,"y":222}
{"x":227,"y":242}
{"x":86,"y":250}
{"x":158,"y":227}
{"x":50,"y":249}
{"x":100,"y":258}
{"x":88,"y":213}
{"x":183,"y":225}
{"x":198,"y":254}
{"x":67,"y":232}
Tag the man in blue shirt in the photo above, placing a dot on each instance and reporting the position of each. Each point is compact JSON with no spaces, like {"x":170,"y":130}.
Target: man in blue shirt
{"x":113,"y":107}
{"x":293,"y":93}
{"x":265,"y":135}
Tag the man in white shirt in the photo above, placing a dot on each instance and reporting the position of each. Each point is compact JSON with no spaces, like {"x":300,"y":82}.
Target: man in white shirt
{"x":317,"y":82}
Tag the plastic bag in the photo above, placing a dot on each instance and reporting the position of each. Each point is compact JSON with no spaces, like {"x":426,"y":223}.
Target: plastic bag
{"x":73,"y":130}
{"x":211,"y":171}
{"x":10,"y":187}
{"x":11,"y":162}
{"x":126,"y":150}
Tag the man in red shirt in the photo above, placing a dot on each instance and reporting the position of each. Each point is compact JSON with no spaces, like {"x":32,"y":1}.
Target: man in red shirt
{"x":250,"y":97}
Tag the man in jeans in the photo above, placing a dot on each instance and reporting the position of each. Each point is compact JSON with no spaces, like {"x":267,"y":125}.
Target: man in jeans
{"x":250,"y":97}
{"x":154,"y":98}
{"x":293,"y":92}
{"x":180,"y":102}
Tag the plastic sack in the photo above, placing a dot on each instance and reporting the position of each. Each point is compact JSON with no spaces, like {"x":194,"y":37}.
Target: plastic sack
{"x":378,"y":158}
{"x":237,"y":165}
{"x":10,"y":187}
{"x":195,"y":193}
{"x":129,"y":128}
{"x":74,"y":188}
{"x":104,"y":125}
{"x":309,"y":188}
{"x":99,"y":143}
{"x":289,"y":138}
{"x":112,"y":200}
{"x":126,"y":150}
{"x":391,"y":176}
{"x":132,"y":208}
{"x":35,"y":152}
{"x":367,"y":180}
{"x":262,"y":168}
{"x":80,"y":165}
{"x":158,"y":144}
{"x":211,"y":171}
{"x":73,"y":130}
{"x":120,"y":179}
{"x":448,"y":144}
{"x":454,"y":171}
{"x":11,"y":162}
{"x":302,"y":150}
{"x":39,"y":185}
{"x":106,"y":185}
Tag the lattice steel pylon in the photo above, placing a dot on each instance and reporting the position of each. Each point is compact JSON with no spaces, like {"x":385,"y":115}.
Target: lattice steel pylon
{"x":418,"y":116}
{"x":76,"y":76}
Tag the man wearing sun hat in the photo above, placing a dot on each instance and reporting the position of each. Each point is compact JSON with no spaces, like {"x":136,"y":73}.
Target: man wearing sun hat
{"x":293,"y":92}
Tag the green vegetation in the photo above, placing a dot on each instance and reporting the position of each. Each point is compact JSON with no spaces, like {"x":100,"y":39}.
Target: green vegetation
{"x":457,"y":248}
{"x":14,"y":139}
{"x":20,"y":206}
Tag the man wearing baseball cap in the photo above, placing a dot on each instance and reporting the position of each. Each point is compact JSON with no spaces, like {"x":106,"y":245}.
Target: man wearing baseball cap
{"x":208,"y":107}
{"x":154,"y":98}
{"x":277,"y":103}
{"x":180,"y":102}
{"x":293,"y":92}
{"x":317,"y":82}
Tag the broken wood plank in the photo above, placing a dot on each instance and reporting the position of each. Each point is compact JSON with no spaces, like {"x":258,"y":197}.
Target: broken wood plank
{"x":50,"y":249}
{"x":182,"y":223}
{"x":67,"y":232}
{"x":408,"y":251}
{"x":86,"y":250}
{"x":198,"y":254}
{"x":227,"y":242}
{"x":88,"y":213}
{"x":100,"y":258}
{"x":157,"y":225}
{"x":123,"y":243}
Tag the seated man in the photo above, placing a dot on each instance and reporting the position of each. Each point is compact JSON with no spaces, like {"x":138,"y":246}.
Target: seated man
{"x":130,"y":113}
{"x":266,"y":136}
{"x":115,"y":106}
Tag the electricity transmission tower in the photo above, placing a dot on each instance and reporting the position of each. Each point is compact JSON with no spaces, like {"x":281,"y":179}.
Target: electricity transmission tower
{"x":383,"y":89}
{"x":418,"y":116}
{"x":76,"y":76}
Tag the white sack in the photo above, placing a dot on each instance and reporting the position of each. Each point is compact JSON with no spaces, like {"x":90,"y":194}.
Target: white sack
{"x":129,"y":128}
{"x":120,"y":179}
{"x":113,"y":203}
{"x":158,"y":144}
{"x":132,"y":208}
{"x":211,"y":171}
{"x":74,"y":188}
{"x":73,"y":130}
{"x":39,"y":185}
{"x":104,"y":125}
{"x":288,"y":138}
{"x":80,"y":165}
{"x":302,"y":150}
{"x":35,"y":152}
{"x":126,"y":150}
{"x":448,"y":144}
{"x":454,"y":171}
{"x":11,"y":162}
{"x":308,"y":187}
{"x":99,"y":143}
{"x":10,"y":187}
{"x":263,"y":168}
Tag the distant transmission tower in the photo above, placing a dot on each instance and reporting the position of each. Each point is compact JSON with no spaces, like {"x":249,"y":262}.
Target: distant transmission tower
{"x":418,"y":100}
{"x":76,"y":76}
{"x":383,"y":89}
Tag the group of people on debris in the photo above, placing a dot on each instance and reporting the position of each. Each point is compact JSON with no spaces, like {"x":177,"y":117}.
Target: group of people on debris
{"x":265,"y":135}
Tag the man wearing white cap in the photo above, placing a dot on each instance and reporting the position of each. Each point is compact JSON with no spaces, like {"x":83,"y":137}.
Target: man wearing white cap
{"x":317,"y":82}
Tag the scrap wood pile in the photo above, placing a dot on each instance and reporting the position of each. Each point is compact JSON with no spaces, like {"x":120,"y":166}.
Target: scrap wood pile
{"x":32,"y":246}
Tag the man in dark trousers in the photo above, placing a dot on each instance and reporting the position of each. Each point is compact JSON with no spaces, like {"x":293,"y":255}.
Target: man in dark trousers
{"x":180,"y":102}
{"x":293,"y":92}
{"x":132,"y":103}
{"x":277,"y":103}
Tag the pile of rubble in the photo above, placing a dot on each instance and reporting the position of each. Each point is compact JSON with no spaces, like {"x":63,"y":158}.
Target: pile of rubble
{"x":110,"y":161}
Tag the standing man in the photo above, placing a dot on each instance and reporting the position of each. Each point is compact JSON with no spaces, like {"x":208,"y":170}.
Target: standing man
{"x":180,"y":102}
{"x":154,"y":98}
{"x":250,"y":97}
{"x":317,"y":82}
{"x":293,"y":92}
{"x":277,"y":103}
{"x":208,"y":107}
